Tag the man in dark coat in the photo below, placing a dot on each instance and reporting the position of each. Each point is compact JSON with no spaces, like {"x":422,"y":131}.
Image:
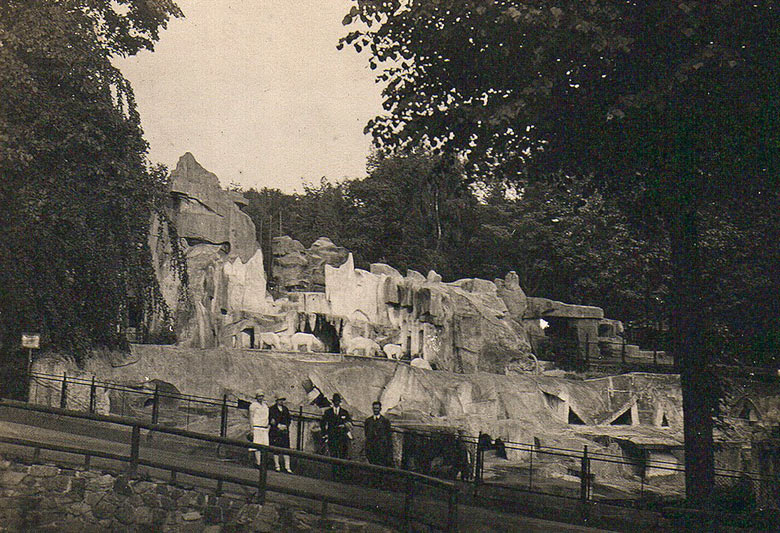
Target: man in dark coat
{"x":279,"y":419}
{"x":379,"y":442}
{"x":336,"y":427}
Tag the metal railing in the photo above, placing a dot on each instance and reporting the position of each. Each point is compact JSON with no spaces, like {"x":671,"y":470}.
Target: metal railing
{"x":632,"y":479}
{"x":640,"y":481}
{"x":413,"y":494}
{"x":150,"y":402}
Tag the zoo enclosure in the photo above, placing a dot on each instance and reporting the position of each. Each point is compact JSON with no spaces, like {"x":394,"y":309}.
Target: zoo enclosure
{"x":635,"y":480}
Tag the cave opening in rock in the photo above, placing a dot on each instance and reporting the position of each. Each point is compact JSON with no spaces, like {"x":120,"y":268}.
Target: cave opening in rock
{"x":327,"y":333}
{"x":623,"y":420}
{"x":574,"y":418}
{"x":248,"y":338}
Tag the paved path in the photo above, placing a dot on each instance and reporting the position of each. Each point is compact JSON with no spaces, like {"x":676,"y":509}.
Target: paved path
{"x":382,"y":503}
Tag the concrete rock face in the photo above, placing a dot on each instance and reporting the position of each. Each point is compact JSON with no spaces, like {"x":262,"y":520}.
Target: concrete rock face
{"x":464,"y":326}
{"x":297,"y":268}
{"x":224,"y":263}
{"x":205,"y":213}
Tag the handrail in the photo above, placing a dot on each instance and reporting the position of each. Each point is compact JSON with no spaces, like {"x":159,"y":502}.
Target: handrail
{"x":126,"y":421}
{"x":134,"y":459}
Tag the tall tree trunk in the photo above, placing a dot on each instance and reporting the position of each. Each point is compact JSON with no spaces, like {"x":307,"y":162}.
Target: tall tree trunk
{"x":687,"y":326}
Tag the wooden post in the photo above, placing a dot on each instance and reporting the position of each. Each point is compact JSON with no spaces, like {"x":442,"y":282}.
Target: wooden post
{"x":408,"y":502}
{"x":135,"y":449}
{"x":262,"y":476}
{"x":531,"y":469}
{"x":64,"y":392}
{"x":452,"y":516}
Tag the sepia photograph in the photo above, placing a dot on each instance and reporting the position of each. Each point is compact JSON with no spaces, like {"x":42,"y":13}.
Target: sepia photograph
{"x":389,"y":266}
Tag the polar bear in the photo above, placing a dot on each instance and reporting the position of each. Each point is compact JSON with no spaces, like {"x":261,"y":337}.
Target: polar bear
{"x":393,"y":351}
{"x":307,"y":341}
{"x":270,"y":340}
{"x":362,"y":346}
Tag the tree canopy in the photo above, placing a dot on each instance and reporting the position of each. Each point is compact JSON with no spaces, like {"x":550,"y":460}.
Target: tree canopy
{"x":77,"y":192}
{"x":672,"y":107}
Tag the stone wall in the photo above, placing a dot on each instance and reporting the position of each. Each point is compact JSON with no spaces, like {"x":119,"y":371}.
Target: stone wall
{"x":37,"y":497}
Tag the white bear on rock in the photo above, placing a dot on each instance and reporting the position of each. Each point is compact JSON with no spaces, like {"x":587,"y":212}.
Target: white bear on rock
{"x":393,"y":351}
{"x":307,"y":341}
{"x":419,"y":362}
{"x":362,"y":346}
{"x":271,"y":339}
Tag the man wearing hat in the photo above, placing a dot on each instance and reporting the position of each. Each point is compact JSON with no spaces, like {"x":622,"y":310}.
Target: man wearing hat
{"x":335,"y":426}
{"x":258,"y":419}
{"x":279,"y":418}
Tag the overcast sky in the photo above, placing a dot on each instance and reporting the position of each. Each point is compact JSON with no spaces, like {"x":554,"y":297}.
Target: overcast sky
{"x":257,"y":91}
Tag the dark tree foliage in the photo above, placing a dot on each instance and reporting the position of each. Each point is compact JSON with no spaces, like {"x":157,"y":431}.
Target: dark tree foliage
{"x":77,"y":192}
{"x":670,"y":106}
{"x":413,"y":211}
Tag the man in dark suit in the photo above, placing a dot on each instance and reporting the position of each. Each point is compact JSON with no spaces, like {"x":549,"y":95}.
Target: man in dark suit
{"x":279,"y":434}
{"x":379,"y":442}
{"x":336,"y":427}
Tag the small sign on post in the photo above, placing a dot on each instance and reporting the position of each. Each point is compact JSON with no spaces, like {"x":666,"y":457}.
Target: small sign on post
{"x":31,"y":341}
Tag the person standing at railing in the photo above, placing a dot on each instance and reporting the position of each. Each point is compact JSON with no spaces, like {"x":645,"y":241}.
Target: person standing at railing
{"x":279,"y":419}
{"x":379,"y":440}
{"x":258,"y":419}
{"x":335,"y":426}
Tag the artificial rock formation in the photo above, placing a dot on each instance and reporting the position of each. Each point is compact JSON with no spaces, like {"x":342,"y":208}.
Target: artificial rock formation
{"x":296,"y":268}
{"x":465,"y":326}
{"x":227,"y":284}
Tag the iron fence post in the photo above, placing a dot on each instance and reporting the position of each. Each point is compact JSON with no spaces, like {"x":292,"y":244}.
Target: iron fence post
{"x":223,"y":423}
{"x":299,"y":434}
{"x":587,"y":351}
{"x":135,"y":448}
{"x":584,"y":484}
{"x":64,"y":391}
{"x":584,"y":475}
{"x":92,"y":396}
{"x":531,"y":468}
{"x":623,"y":352}
{"x":156,"y":404}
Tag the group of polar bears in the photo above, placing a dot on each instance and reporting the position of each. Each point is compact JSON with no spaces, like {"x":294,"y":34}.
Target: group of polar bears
{"x":306,"y":342}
